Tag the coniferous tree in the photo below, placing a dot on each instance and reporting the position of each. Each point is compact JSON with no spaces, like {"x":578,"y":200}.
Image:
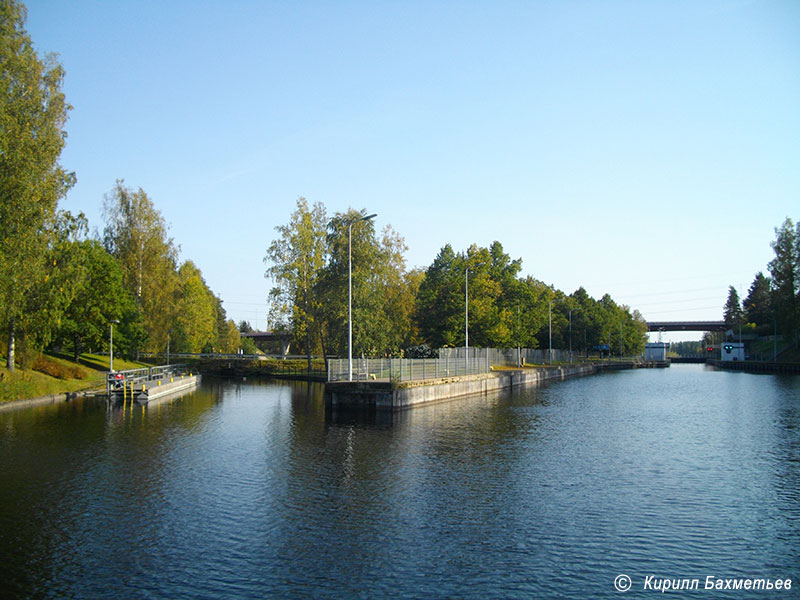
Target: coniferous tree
{"x":785,"y":271}
{"x":757,"y":305}
{"x":732,"y":312}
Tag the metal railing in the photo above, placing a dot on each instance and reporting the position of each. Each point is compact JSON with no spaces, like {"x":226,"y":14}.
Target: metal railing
{"x":213,"y":355}
{"x":512,"y":357}
{"x":407,"y":369}
{"x":455,"y":361}
{"x":117,"y":379}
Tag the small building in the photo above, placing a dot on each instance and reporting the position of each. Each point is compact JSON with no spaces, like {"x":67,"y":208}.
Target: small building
{"x":732,"y":351}
{"x":656,"y":351}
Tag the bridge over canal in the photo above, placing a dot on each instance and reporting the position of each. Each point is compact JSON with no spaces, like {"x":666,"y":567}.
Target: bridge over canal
{"x":263,"y":339}
{"x":687,"y":326}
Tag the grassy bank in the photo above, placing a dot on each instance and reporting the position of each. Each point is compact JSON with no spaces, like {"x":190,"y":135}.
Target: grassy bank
{"x":57,"y":374}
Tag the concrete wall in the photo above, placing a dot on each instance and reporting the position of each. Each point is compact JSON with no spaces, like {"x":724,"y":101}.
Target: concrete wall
{"x":165,"y":388}
{"x":382,"y":395}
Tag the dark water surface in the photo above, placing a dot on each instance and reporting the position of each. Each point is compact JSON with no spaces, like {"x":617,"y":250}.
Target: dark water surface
{"x":249,"y":490}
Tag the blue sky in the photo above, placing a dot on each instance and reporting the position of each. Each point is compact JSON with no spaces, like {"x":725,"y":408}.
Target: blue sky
{"x":644,"y":149}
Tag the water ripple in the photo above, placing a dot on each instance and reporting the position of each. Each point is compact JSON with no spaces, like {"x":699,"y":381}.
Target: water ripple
{"x":248,"y":490}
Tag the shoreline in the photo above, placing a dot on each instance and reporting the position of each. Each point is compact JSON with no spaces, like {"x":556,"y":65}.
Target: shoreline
{"x":57,"y":398}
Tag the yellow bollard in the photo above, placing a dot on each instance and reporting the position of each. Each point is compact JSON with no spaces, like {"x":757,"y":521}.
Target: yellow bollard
{"x":159,"y":382}
{"x":171,"y":379}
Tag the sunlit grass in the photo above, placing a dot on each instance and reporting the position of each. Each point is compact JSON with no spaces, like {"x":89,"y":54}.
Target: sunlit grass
{"x":57,"y":374}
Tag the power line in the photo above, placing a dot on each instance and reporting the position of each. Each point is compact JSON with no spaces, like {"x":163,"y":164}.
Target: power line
{"x":678,"y":301}
{"x":716,"y":287}
{"x":659,"y":312}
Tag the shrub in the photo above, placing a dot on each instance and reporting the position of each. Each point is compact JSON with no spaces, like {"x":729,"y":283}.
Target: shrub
{"x":421,"y":351}
{"x":58,"y":370}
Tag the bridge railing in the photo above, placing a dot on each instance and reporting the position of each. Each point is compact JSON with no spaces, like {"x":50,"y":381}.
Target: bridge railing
{"x":216,"y":355}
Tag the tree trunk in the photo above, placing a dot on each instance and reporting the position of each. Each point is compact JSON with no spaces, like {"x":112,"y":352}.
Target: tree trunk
{"x":24,"y":350}
{"x":10,"y":355}
{"x":324,"y":349}
{"x":76,"y":348}
{"x":308,"y":348}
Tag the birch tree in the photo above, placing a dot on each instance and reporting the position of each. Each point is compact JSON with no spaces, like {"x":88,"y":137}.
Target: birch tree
{"x":33,"y":113}
{"x":136,"y":234}
{"x":295,"y":261}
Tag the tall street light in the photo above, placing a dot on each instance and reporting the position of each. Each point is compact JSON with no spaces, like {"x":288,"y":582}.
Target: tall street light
{"x":350,"y":293}
{"x":466,"y":312}
{"x":570,"y":335}
{"x":550,"y":334}
{"x":111,"y":345}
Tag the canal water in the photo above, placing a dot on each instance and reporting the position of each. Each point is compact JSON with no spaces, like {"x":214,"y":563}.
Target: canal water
{"x":249,"y":489}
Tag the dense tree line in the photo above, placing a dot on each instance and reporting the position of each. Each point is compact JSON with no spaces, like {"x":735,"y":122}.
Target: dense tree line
{"x":170,"y":303}
{"x":772,"y":303}
{"x":58,"y":287}
{"x":395,"y":308}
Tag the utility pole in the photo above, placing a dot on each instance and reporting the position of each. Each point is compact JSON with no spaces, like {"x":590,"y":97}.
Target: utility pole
{"x":570,"y":335}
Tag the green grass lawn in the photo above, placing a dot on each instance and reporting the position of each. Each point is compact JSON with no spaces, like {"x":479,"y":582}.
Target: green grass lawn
{"x":57,"y":373}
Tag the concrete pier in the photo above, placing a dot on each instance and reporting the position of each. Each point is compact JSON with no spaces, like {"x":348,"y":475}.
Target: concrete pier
{"x":384,"y":395}
{"x":144,"y":392}
{"x":162,"y":388}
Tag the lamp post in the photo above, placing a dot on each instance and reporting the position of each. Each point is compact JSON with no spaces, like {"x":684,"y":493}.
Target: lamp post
{"x":350,"y":293}
{"x":550,"y":334}
{"x":519,"y":349}
{"x":111,"y":345}
{"x":570,"y":335}
{"x":466,"y":313}
{"x":168,"y":335}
